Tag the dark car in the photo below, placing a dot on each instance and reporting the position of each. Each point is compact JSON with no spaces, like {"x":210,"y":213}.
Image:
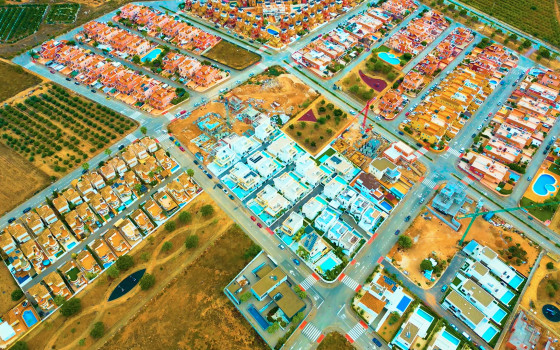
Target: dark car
{"x":231,"y":197}
{"x":419,"y":145}
{"x":26,"y":210}
{"x":397,"y":232}
{"x":296,"y":261}
{"x":10,"y":220}
{"x":93,"y":91}
{"x":473,"y":136}
{"x":195,"y":162}
{"x":84,"y":171}
{"x":200,"y":167}
{"x":259,"y":224}
{"x":68,"y":79}
{"x":401,"y":133}
{"x":171,"y":138}
{"x":219,"y":186}
{"x":209,"y":176}
{"x":407,"y":219}
{"x":121,"y":147}
{"x":376,"y":342}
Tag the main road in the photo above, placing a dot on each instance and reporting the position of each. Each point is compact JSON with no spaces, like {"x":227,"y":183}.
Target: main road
{"x":332,"y":309}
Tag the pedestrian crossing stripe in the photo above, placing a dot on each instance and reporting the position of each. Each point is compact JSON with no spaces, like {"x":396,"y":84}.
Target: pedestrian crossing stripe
{"x":372,"y":238}
{"x":429,"y":183}
{"x":454,"y":152}
{"x":348,"y":281}
{"x":356,"y":331}
{"x":311,"y":332}
{"x":302,"y":325}
{"x":349,"y":339}
{"x":307,"y":283}
{"x":320,"y":339}
{"x":380,"y":260}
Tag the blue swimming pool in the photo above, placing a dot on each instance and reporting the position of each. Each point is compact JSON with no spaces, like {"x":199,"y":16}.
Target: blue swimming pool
{"x":389,"y":58}
{"x":506,"y":298}
{"x":71,"y":245}
{"x":386,"y":206}
{"x":489,"y":334}
{"x":499,"y":316}
{"x":450,"y":338}
{"x":29,"y":318}
{"x":152,"y":55}
{"x":544,"y":185}
{"x":328,"y":264}
{"x":323,"y":158}
{"x":258,"y":317}
{"x":271,"y":31}
{"x":403,"y":304}
{"x":107,"y":264}
{"x":516,"y":281}
{"x":425,"y":315}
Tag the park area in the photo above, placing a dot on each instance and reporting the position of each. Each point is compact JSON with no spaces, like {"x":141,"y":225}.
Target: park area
{"x":56,"y":130}
{"x":62,"y":13}
{"x":335,"y":341}
{"x":232,"y":55}
{"x":316,"y":126}
{"x":371,"y":78}
{"x":432,"y":238}
{"x":189,"y":279}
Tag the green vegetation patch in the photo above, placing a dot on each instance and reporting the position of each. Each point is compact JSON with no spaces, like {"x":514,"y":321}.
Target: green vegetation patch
{"x":19,"y":21}
{"x":232,"y":55}
{"x":62,"y":13}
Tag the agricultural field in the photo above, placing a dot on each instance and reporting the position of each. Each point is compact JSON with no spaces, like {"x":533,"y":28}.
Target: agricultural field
{"x":335,"y":341}
{"x":62,"y":13}
{"x":540,"y":18}
{"x":14,"y":79}
{"x":19,"y":21}
{"x":56,"y":130}
{"x":232,"y":55}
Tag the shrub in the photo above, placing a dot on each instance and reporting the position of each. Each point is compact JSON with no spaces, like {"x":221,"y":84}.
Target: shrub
{"x":550,"y":265}
{"x":17,"y":294}
{"x":393,"y":318}
{"x":166,"y":246}
{"x":426,"y":265}
{"x":125,"y":262}
{"x":20,"y":345}
{"x":207,"y":210}
{"x":191,"y":241}
{"x":71,"y":307}
{"x":98,"y":330}
{"x":147,"y":281}
{"x":252,"y":251}
{"x":113,"y":271}
{"x":405,"y":242}
{"x":59,"y":300}
{"x":170,"y":226}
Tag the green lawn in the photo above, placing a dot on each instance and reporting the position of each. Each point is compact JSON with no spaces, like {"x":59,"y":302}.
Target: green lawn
{"x":554,"y":168}
{"x":541,"y":213}
{"x":72,"y":274}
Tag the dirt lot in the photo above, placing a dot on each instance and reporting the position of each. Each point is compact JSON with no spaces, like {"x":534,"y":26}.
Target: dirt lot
{"x":232,"y":55}
{"x":7,"y":286}
{"x":430,"y":235}
{"x":316,"y":126}
{"x":178,"y":272}
{"x":19,"y":179}
{"x":14,"y":79}
{"x":335,"y":341}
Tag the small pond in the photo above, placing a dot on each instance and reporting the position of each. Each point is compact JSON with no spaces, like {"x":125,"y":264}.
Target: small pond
{"x":551,"y":312}
{"x":127,"y":284}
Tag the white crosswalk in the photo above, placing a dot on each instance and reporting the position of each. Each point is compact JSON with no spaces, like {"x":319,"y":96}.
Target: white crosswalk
{"x":420,"y":152}
{"x":467,"y":180}
{"x":347,"y":280}
{"x":131,"y":138}
{"x":169,"y":116}
{"x":356,"y":331}
{"x":308,"y":282}
{"x":454,"y":152}
{"x":30,"y":64}
{"x":429,"y":183}
{"x":311,"y":332}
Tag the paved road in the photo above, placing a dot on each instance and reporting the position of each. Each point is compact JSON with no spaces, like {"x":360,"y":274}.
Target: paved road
{"x":332,"y":301}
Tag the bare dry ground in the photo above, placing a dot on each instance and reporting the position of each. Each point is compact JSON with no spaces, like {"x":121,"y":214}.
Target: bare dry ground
{"x":335,"y":341}
{"x":14,"y":79}
{"x":7,"y":286}
{"x":19,"y":179}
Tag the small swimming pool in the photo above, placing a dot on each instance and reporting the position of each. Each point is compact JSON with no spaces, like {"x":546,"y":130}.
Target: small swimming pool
{"x":544,"y":185}
{"x":328,"y":264}
{"x":489,"y":334}
{"x":499,"y":316}
{"x":403,"y":304}
{"x":515,"y":281}
{"x":450,"y":338}
{"x":272,"y":30}
{"x":424,"y":315}
{"x":107,"y":264}
{"x":29,"y":318}
{"x":386,"y":206}
{"x":389,"y":58}
{"x":152,"y":55}
{"x":506,"y":298}
{"x":71,"y":245}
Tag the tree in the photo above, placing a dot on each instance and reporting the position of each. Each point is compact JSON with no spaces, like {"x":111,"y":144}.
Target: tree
{"x":207,"y":210}
{"x":426,"y":265}
{"x":108,"y":151}
{"x":59,"y":300}
{"x":393,"y":318}
{"x":300,"y":293}
{"x":273,"y":328}
{"x":144,"y":130}
{"x":405,"y":242}
{"x":71,"y":307}
{"x":17,"y":294}
{"x":170,"y":226}
{"x":185,"y":217}
{"x":298,"y":317}
{"x":391,"y":76}
{"x":85,"y":166}
{"x":147,"y":281}
{"x":20,"y":345}
{"x":550,"y":265}
{"x":190,"y":172}
{"x":191,"y":241}
{"x":407,"y":56}
{"x":98,"y":330}
{"x":136,"y":59}
{"x":167,"y":246}
{"x":113,"y":271}
{"x":252,"y":251}
{"x":125,"y":262}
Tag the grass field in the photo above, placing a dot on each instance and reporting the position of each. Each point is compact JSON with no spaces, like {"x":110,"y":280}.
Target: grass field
{"x":19,"y":21}
{"x":57,"y":130}
{"x":232,"y":55}
{"x":539,"y":18}
{"x":542,"y":213}
{"x":14,"y":79}
{"x":19,"y":179}
{"x":335,"y":341}
{"x":62,"y":13}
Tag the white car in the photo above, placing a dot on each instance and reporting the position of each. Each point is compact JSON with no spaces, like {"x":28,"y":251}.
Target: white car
{"x":479,"y":128}
{"x":352,"y":112}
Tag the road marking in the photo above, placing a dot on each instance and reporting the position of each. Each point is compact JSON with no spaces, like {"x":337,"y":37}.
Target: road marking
{"x":131,"y":138}
{"x":308,"y":282}
{"x":420,"y":152}
{"x":320,"y":339}
{"x":380,"y":259}
{"x":169,"y":116}
{"x":302,"y":325}
{"x":429,"y":183}
{"x":454,"y":152}
{"x":372,"y":238}
{"x":467,"y":180}
{"x":30,"y":64}
{"x":356,"y":332}
{"x":349,"y":281}
{"x":311,"y":332}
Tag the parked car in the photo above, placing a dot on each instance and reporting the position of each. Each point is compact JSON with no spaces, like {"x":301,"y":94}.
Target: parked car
{"x":121,"y":147}
{"x":397,"y":232}
{"x":220,"y":186}
{"x":200,"y":167}
{"x":529,"y":178}
{"x":209,"y":176}
{"x":401,"y":133}
{"x":182,"y":149}
{"x":421,"y":200}
{"x":473,"y":136}
{"x":253,"y":218}
{"x":444,"y":288}
{"x":26,"y":210}
{"x":281,"y":246}
{"x":296,"y":261}
{"x":407,"y":219}
{"x":76,"y":83}
{"x":10,"y":220}
{"x":195,"y":162}
{"x":68,"y":79}
{"x":466,"y":335}
{"x":231,"y":197}
{"x":92,"y":90}
{"x":376,"y":342}
{"x":171,"y":138}
{"x":259,"y":224}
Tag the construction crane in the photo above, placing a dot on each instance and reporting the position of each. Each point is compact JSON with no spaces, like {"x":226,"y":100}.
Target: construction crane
{"x":365,"y":112}
{"x":478,"y":213}
{"x":225,"y":101}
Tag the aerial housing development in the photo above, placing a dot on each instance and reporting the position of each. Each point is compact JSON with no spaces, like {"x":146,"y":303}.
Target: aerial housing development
{"x":319,"y":174}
